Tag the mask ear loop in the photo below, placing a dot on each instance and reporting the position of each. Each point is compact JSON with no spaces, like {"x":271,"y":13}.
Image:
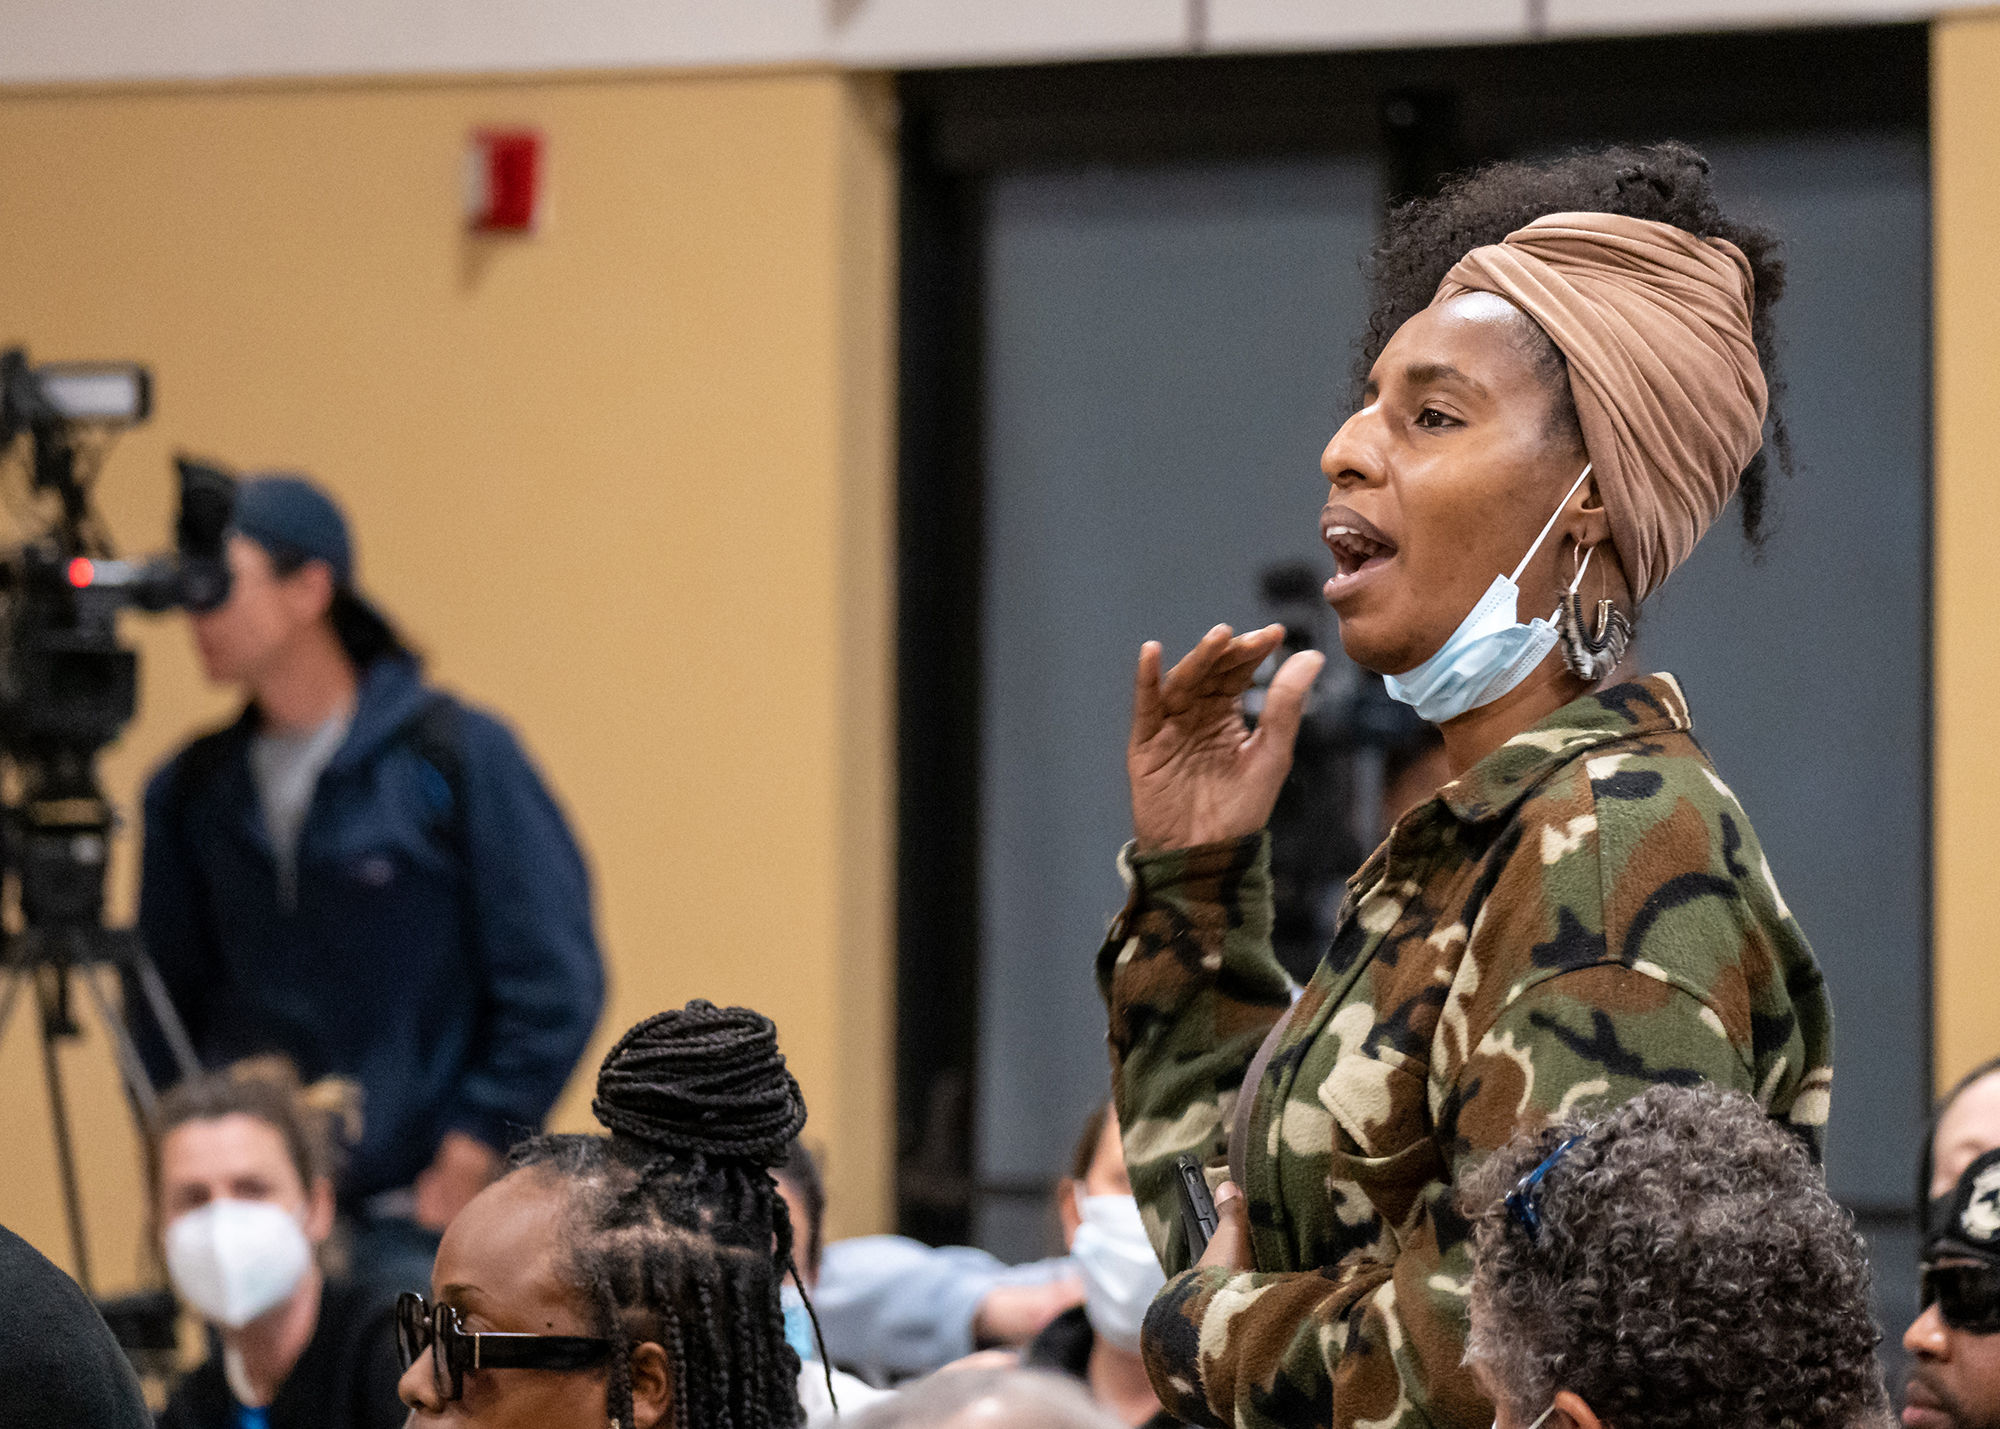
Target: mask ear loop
{"x":1582,"y":565}
{"x":1554,"y":516}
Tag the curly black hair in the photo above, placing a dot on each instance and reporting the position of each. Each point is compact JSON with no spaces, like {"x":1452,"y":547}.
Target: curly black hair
{"x":1687,"y":1269}
{"x":1668,"y":183}
{"x":676,"y":1232}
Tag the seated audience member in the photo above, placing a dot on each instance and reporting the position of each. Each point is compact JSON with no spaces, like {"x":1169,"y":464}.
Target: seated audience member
{"x":1673,"y":1264}
{"x":631,"y":1278}
{"x":892,"y":1308}
{"x":989,"y":1399}
{"x":59,"y":1366}
{"x":243,"y":1167}
{"x":805,"y":1204}
{"x":1955,"y":1340}
{"x":1098,"y":1342}
{"x":1966,"y":1126}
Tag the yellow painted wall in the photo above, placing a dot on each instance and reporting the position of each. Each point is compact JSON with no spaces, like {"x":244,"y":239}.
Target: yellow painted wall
{"x":628,"y":481}
{"x":1965,"y":158}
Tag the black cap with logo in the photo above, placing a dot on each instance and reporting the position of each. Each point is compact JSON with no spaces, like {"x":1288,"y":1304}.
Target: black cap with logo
{"x":1960,"y":1274}
{"x":1969,"y":1225}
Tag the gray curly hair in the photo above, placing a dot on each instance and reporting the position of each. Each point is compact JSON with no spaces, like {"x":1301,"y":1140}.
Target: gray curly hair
{"x":1689,"y":1271}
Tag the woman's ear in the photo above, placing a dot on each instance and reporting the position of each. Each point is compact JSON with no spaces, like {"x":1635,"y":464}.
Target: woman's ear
{"x":319,"y":1211}
{"x":1591,"y":525}
{"x":309,"y":590}
{"x":1569,"y":1406}
{"x":653,"y":1387}
{"x":1590,"y":528}
{"x":1066,"y":1209}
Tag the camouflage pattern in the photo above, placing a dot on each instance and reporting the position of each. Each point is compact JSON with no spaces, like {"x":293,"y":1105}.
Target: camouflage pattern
{"x":1582,"y":914}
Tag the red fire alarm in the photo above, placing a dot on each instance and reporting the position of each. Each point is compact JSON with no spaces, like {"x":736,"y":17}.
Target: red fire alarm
{"x":503,"y":180}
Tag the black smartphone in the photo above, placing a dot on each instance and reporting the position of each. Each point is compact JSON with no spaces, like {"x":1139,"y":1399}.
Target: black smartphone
{"x":1197,"y":1205}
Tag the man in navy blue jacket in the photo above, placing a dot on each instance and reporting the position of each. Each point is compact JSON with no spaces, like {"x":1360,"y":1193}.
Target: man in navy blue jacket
{"x":369,"y":877}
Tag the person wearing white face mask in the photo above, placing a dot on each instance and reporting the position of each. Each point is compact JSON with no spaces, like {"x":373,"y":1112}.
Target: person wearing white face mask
{"x":1098,"y":1342}
{"x":243,"y":1192}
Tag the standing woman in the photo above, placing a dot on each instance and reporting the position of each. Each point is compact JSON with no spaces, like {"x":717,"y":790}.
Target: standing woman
{"x":1567,"y":387}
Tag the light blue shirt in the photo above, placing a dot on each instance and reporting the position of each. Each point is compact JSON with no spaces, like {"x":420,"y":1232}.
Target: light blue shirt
{"x":891,"y":1307}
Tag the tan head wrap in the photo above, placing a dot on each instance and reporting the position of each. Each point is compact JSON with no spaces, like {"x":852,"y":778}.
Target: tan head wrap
{"x":1656,"y":326}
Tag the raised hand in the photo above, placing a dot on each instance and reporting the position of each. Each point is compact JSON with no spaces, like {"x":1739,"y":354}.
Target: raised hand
{"x":1199,"y":774}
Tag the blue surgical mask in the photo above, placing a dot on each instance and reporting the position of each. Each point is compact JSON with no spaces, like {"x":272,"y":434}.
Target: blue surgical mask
{"x":1491,"y":651}
{"x":798,"y":1323}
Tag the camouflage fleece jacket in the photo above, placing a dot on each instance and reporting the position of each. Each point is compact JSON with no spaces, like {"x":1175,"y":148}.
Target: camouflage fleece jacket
{"x":1584,"y":912}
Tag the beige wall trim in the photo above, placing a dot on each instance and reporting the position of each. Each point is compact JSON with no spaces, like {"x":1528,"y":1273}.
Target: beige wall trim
{"x":862,"y":1168}
{"x":1965,"y":150}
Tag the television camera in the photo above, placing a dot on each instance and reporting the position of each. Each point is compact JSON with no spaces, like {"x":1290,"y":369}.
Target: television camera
{"x":67,"y":689}
{"x":1329,"y":812}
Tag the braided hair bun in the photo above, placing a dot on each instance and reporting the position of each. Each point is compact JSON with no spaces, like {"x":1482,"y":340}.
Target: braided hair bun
{"x":676,"y":1231}
{"x":705,"y":1081}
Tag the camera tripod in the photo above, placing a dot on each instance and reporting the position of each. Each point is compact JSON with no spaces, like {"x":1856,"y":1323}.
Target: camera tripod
{"x":50,"y":961}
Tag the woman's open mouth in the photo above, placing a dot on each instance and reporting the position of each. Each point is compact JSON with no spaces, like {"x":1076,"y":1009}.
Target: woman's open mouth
{"x":1358,"y":547}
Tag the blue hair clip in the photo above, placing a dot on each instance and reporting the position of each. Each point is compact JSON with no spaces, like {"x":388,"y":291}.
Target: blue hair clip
{"x":1523,"y":1202}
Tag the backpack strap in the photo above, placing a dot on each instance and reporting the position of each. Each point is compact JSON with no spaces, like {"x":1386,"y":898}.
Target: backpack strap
{"x":436,"y":735}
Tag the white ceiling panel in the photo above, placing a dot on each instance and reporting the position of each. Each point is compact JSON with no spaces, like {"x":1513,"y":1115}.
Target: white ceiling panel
{"x":1355,"y":24}
{"x":58,"y":40}
{"x":1598,"y":17}
{"x":55,"y":40}
{"x":927,"y":32}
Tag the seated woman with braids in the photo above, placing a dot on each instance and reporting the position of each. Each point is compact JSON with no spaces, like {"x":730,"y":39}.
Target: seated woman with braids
{"x":631,"y":1279}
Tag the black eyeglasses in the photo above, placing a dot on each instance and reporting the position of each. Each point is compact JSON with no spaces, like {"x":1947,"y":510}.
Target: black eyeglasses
{"x":421,"y":1327}
{"x":1524,"y":1203}
{"x":1967,"y":1295}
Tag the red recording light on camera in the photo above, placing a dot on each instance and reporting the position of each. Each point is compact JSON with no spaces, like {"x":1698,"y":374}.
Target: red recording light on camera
{"x":82,"y":572}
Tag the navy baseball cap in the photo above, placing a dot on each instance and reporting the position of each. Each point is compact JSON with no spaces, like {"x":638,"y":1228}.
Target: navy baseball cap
{"x":288,"y":515}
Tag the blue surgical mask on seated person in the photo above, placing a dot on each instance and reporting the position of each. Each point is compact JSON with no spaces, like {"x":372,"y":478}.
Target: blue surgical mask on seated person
{"x":1491,"y":651}
{"x":235,"y":1260}
{"x":798,"y":1323}
{"x":1120,"y":1273}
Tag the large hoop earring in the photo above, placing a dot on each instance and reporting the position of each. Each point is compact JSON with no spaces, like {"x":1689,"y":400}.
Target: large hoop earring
{"x":1591,"y":652}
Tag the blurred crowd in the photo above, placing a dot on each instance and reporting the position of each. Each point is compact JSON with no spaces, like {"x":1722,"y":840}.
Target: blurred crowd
{"x":1675,"y":1260}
